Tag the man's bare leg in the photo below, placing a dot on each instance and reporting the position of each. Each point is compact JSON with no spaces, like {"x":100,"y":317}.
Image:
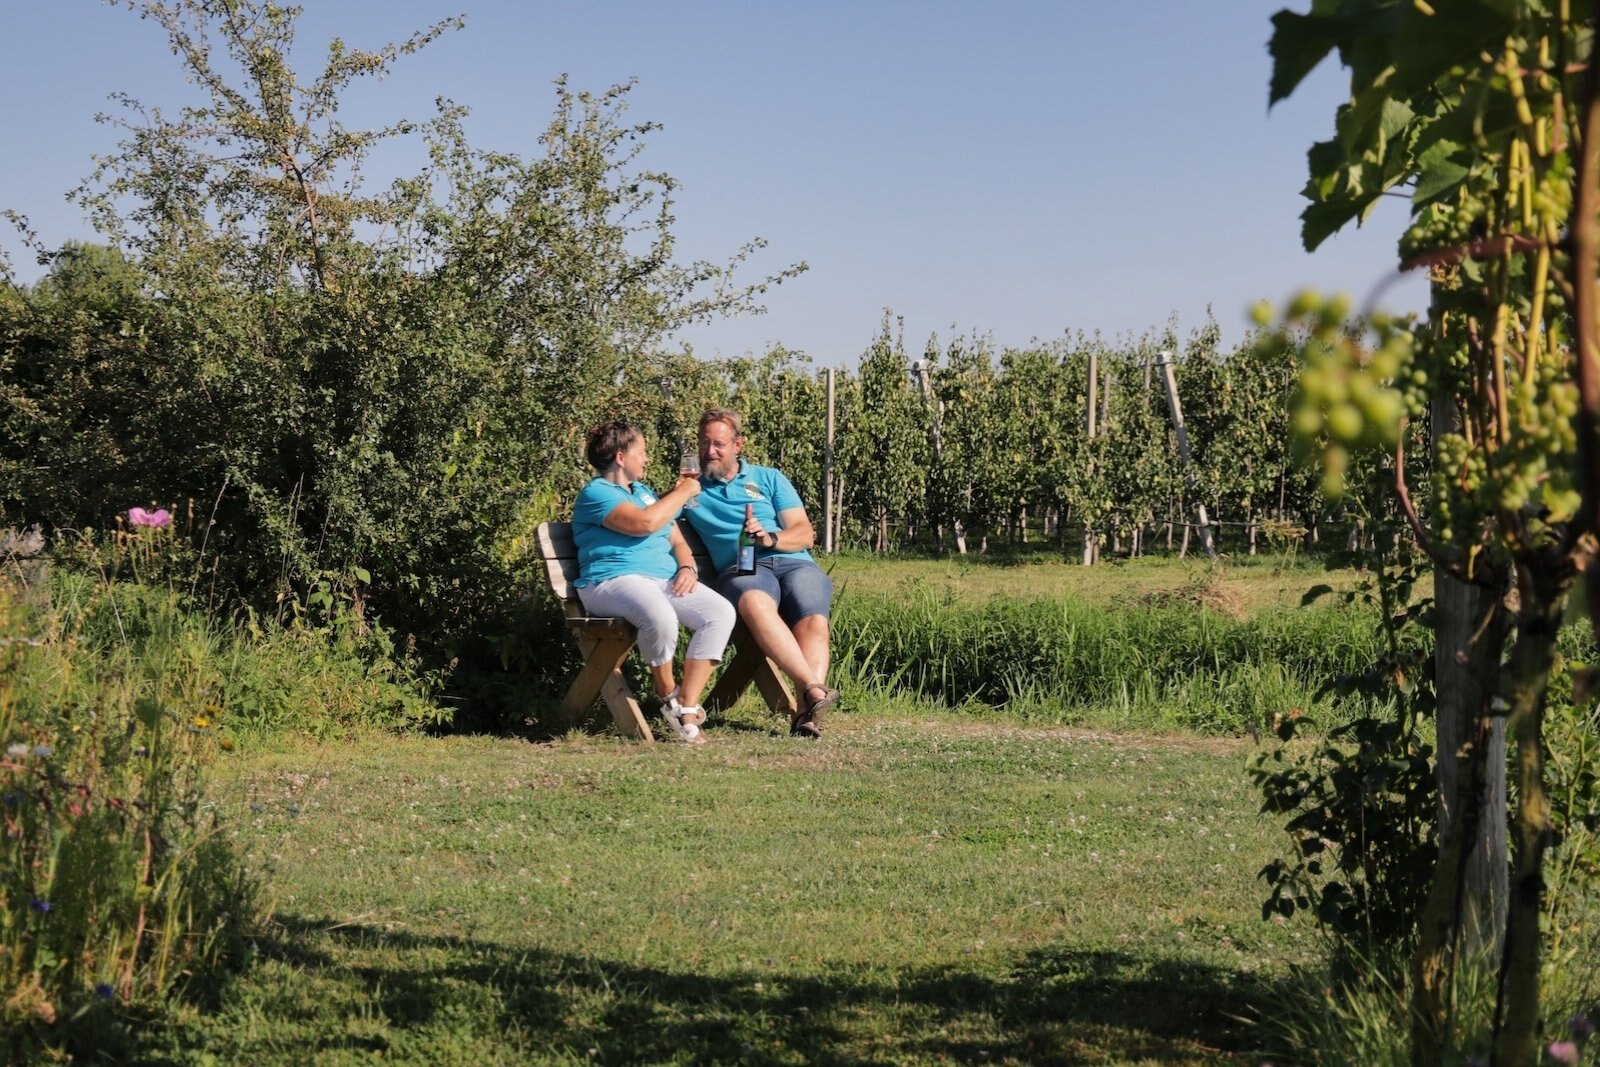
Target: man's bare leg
{"x":811,"y":634}
{"x":773,"y":636}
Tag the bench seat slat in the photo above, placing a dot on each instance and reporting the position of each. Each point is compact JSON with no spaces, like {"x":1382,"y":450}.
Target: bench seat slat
{"x":598,"y":624}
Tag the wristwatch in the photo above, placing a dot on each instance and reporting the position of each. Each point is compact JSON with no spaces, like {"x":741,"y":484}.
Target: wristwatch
{"x":772,"y":543}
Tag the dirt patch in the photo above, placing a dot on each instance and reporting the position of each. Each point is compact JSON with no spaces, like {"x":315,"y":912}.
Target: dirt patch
{"x":1207,"y":589}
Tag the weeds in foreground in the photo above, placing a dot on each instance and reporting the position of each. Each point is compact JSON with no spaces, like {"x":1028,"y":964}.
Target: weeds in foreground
{"x":117,"y":883}
{"x":1364,"y":1021}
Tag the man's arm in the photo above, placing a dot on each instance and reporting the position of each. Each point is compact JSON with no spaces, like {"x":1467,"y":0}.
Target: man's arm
{"x":794,"y":535}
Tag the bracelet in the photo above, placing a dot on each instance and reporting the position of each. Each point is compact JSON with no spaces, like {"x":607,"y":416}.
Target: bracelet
{"x":685,"y":567}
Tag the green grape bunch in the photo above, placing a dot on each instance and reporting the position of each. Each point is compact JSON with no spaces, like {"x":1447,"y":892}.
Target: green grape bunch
{"x":1357,"y":385}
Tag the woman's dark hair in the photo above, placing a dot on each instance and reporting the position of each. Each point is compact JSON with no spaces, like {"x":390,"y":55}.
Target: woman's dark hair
{"x":607,"y":439}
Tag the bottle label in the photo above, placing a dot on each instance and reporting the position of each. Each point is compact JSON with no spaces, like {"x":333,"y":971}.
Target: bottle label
{"x":747,"y":559}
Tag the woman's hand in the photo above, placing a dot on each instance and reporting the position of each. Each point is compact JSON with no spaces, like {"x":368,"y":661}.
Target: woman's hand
{"x":684,"y":581}
{"x":689,"y":482}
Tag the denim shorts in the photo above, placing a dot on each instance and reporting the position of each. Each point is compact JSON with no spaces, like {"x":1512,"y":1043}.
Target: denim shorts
{"x":798,"y":586}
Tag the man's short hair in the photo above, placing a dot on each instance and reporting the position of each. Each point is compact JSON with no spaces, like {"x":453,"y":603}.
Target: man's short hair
{"x":727,"y":415}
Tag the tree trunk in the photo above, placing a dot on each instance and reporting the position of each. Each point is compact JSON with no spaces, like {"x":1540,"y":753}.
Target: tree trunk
{"x":1463,"y":921}
{"x":1542,"y":585}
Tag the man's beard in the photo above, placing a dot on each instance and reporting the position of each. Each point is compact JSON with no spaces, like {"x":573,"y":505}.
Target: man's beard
{"x":722,"y":471}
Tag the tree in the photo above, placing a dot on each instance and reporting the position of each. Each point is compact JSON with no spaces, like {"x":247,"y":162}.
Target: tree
{"x":1490,"y":114}
{"x":390,"y":382}
{"x":884,"y":447}
{"x":965,"y":389}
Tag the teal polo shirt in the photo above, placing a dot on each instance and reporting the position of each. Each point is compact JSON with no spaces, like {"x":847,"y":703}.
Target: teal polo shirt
{"x":604,"y":553}
{"x":719,"y":512}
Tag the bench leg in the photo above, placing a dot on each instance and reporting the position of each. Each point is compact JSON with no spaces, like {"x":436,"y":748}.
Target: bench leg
{"x":625,"y":710}
{"x":601,"y":678}
{"x":748,"y":665}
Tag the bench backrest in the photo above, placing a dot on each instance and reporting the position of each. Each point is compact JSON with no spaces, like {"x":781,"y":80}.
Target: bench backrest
{"x":560,"y":554}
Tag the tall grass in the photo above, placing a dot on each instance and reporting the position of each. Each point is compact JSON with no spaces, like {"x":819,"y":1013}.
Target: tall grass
{"x":118,"y":885}
{"x":1366,"y":1022}
{"x":1129,"y":665}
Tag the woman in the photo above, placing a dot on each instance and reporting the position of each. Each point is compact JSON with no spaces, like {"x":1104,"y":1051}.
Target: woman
{"x":633,"y":563}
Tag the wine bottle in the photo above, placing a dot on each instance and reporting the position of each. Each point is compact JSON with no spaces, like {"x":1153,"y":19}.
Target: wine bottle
{"x":747,"y":545}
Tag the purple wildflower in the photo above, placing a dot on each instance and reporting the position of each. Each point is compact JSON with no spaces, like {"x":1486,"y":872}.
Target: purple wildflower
{"x":103,"y":989}
{"x":43,"y":907}
{"x":1562,"y":1052}
{"x":157,"y":518}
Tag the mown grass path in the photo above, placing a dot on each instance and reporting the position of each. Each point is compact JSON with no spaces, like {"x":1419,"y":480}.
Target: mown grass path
{"x":907,"y":891}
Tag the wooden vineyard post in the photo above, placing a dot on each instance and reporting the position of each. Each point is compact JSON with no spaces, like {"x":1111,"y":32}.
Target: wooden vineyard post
{"x":1164,"y":361}
{"x":827,"y":473}
{"x":1094,"y":384}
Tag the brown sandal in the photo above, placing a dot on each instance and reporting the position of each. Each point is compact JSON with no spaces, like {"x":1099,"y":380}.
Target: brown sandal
{"x":807,"y":722}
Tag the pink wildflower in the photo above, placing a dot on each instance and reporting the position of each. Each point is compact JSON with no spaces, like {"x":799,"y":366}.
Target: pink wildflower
{"x":1563,"y":1052}
{"x":141,"y":517}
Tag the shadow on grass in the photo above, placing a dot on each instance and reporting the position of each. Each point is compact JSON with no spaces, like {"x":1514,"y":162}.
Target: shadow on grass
{"x":1057,"y":1006}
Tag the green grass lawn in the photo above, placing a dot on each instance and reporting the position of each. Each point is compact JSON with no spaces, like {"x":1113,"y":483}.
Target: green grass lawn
{"x":1245,"y":584}
{"x":912,"y":890}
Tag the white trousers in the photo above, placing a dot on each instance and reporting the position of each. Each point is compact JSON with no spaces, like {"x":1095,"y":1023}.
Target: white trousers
{"x":650,"y":605}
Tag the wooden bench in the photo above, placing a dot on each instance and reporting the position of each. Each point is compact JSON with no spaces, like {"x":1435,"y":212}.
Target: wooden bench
{"x":605,"y":643}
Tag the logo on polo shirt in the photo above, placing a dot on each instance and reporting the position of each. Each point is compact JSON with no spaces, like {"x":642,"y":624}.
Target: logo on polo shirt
{"x":752,"y":490}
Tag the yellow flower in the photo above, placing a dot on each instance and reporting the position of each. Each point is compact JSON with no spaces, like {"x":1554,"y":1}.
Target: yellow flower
{"x":201,"y":721}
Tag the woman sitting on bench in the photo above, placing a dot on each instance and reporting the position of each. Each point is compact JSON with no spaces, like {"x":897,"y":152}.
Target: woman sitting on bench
{"x":633,"y":563}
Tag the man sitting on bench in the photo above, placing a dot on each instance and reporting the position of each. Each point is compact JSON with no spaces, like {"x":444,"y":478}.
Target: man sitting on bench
{"x":786,"y":602}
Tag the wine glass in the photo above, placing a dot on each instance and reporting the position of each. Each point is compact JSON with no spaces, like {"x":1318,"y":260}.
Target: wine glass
{"x":689,"y":463}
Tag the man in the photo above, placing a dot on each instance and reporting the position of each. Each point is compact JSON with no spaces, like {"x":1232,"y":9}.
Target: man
{"x":785,"y":603}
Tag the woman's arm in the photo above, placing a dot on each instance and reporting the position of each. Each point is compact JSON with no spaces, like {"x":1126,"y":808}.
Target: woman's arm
{"x":629,"y":518}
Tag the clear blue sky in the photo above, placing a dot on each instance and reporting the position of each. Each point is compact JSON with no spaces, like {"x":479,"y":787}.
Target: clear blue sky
{"x":1022,"y":170}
